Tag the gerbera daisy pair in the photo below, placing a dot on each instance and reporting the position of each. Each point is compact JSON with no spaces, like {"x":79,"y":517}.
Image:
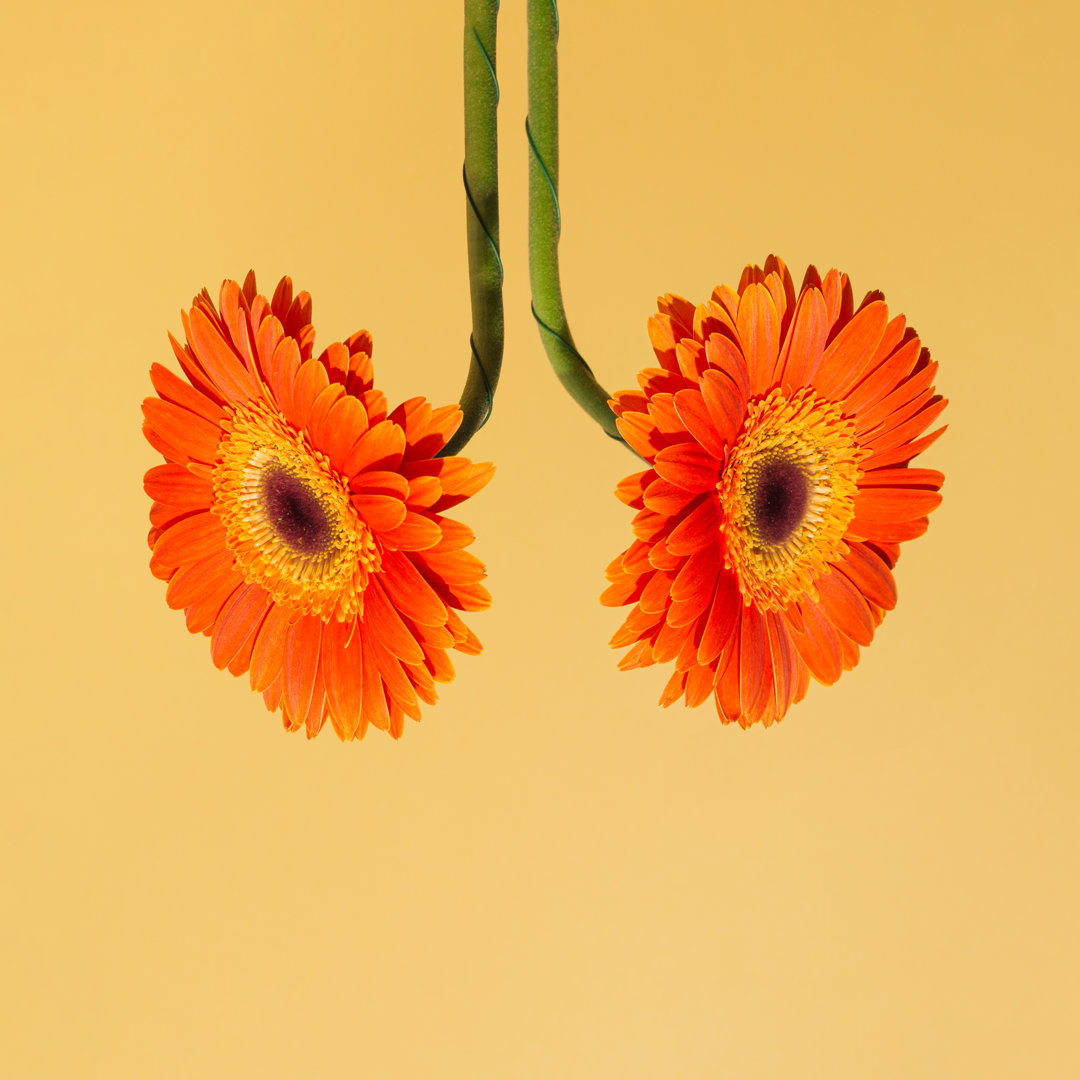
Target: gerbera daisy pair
{"x":301,"y":525}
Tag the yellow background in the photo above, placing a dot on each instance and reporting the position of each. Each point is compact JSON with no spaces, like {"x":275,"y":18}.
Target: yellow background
{"x":549,"y":876}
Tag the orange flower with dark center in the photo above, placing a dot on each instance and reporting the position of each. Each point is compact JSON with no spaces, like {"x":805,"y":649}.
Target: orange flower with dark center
{"x":779,"y":432}
{"x":300,"y":525}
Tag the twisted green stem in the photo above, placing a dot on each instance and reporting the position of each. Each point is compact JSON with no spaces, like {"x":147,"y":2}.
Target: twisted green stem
{"x":481,"y":177}
{"x":545,"y":221}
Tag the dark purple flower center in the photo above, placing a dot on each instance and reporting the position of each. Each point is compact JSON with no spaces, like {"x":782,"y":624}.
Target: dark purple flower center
{"x":781,"y":495}
{"x":295,"y":513}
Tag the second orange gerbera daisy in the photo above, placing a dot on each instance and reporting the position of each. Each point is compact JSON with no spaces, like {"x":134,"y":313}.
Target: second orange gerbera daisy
{"x":300,"y":525}
{"x":779,"y":432}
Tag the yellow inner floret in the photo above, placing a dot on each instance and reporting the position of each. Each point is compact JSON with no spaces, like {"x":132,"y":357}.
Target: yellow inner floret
{"x":788,"y":495}
{"x":288,"y":519}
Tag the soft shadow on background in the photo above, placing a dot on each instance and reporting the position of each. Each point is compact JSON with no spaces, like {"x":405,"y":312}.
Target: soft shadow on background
{"x":549,"y":876}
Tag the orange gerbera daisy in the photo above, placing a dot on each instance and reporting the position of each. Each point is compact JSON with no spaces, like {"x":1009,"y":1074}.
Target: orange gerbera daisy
{"x":778,"y":433}
{"x":299,"y":525}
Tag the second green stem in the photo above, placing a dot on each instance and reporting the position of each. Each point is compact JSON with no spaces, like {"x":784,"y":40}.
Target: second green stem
{"x":545,"y":224}
{"x":481,"y":176}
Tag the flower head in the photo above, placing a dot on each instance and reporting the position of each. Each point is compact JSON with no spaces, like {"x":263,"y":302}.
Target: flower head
{"x":778,"y":431}
{"x":300,"y":525}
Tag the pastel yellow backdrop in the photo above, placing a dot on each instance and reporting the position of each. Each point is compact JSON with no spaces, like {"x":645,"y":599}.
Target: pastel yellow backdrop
{"x":549,"y":876}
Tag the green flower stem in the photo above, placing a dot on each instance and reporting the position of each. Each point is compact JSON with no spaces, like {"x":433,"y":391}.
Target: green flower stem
{"x":481,"y":176}
{"x":545,"y":223}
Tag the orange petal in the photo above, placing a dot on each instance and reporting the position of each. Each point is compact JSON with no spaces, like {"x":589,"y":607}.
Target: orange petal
{"x":656,"y":595}
{"x":318,"y":420}
{"x":374,"y":709}
{"x":455,"y":567}
{"x":845,"y":607}
{"x":849,"y":353}
{"x":649,"y":526}
{"x":658,"y":381}
{"x":726,"y":404}
{"x":637,"y":624}
{"x":414,"y":532}
{"x":267,"y":339}
{"x":903,"y":451}
{"x":162,"y":515}
{"x":688,"y":466}
{"x":785,"y":662}
{"x":690,"y":356}
{"x":663,"y":340}
{"x":907,"y":399}
{"x":694,"y":587}
{"x":268,"y":654}
{"x":386,"y":626}
{"x":464,"y":597}
{"x":669,"y":642}
{"x":724,"y":356}
{"x":272,"y":697}
{"x":638,"y":657}
{"x":343,"y":657}
{"x":380,"y":447}
{"x":699,"y":684}
{"x":380,"y":482}
{"x":217,"y":358}
{"x":454,"y":535}
{"x":190,"y":539}
{"x":346,"y":425}
{"x":697,"y":530}
{"x":722,"y":619}
{"x":311,"y":380}
{"x":400,"y":690}
{"x":924,"y":478}
{"x":412,"y":416}
{"x":195,"y":374}
{"x":177,"y":487}
{"x":836,"y":291}
{"x":381,"y":512}
{"x":727,"y":683}
{"x":336,"y":359}
{"x":234,"y":316}
{"x":460,"y":479}
{"x":639,"y":431}
{"x":667,"y":499}
{"x":620,"y":593}
{"x":174,"y":389}
{"x":759,"y":331}
{"x":201,"y":614}
{"x":195,"y":436}
{"x":755,"y":684}
{"x":662,"y":410}
{"x":317,"y":710}
{"x":193,"y":581}
{"x":894,"y":532}
{"x":631,"y":489}
{"x":804,"y":347}
{"x":894,"y":504}
{"x":282,"y":299}
{"x":282,"y":369}
{"x":818,"y":644}
{"x":694,"y":414}
{"x":681,"y":311}
{"x":423,"y":491}
{"x":881,"y":381}
{"x":409,"y":591}
{"x":303,"y":643}
{"x":236,"y":623}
